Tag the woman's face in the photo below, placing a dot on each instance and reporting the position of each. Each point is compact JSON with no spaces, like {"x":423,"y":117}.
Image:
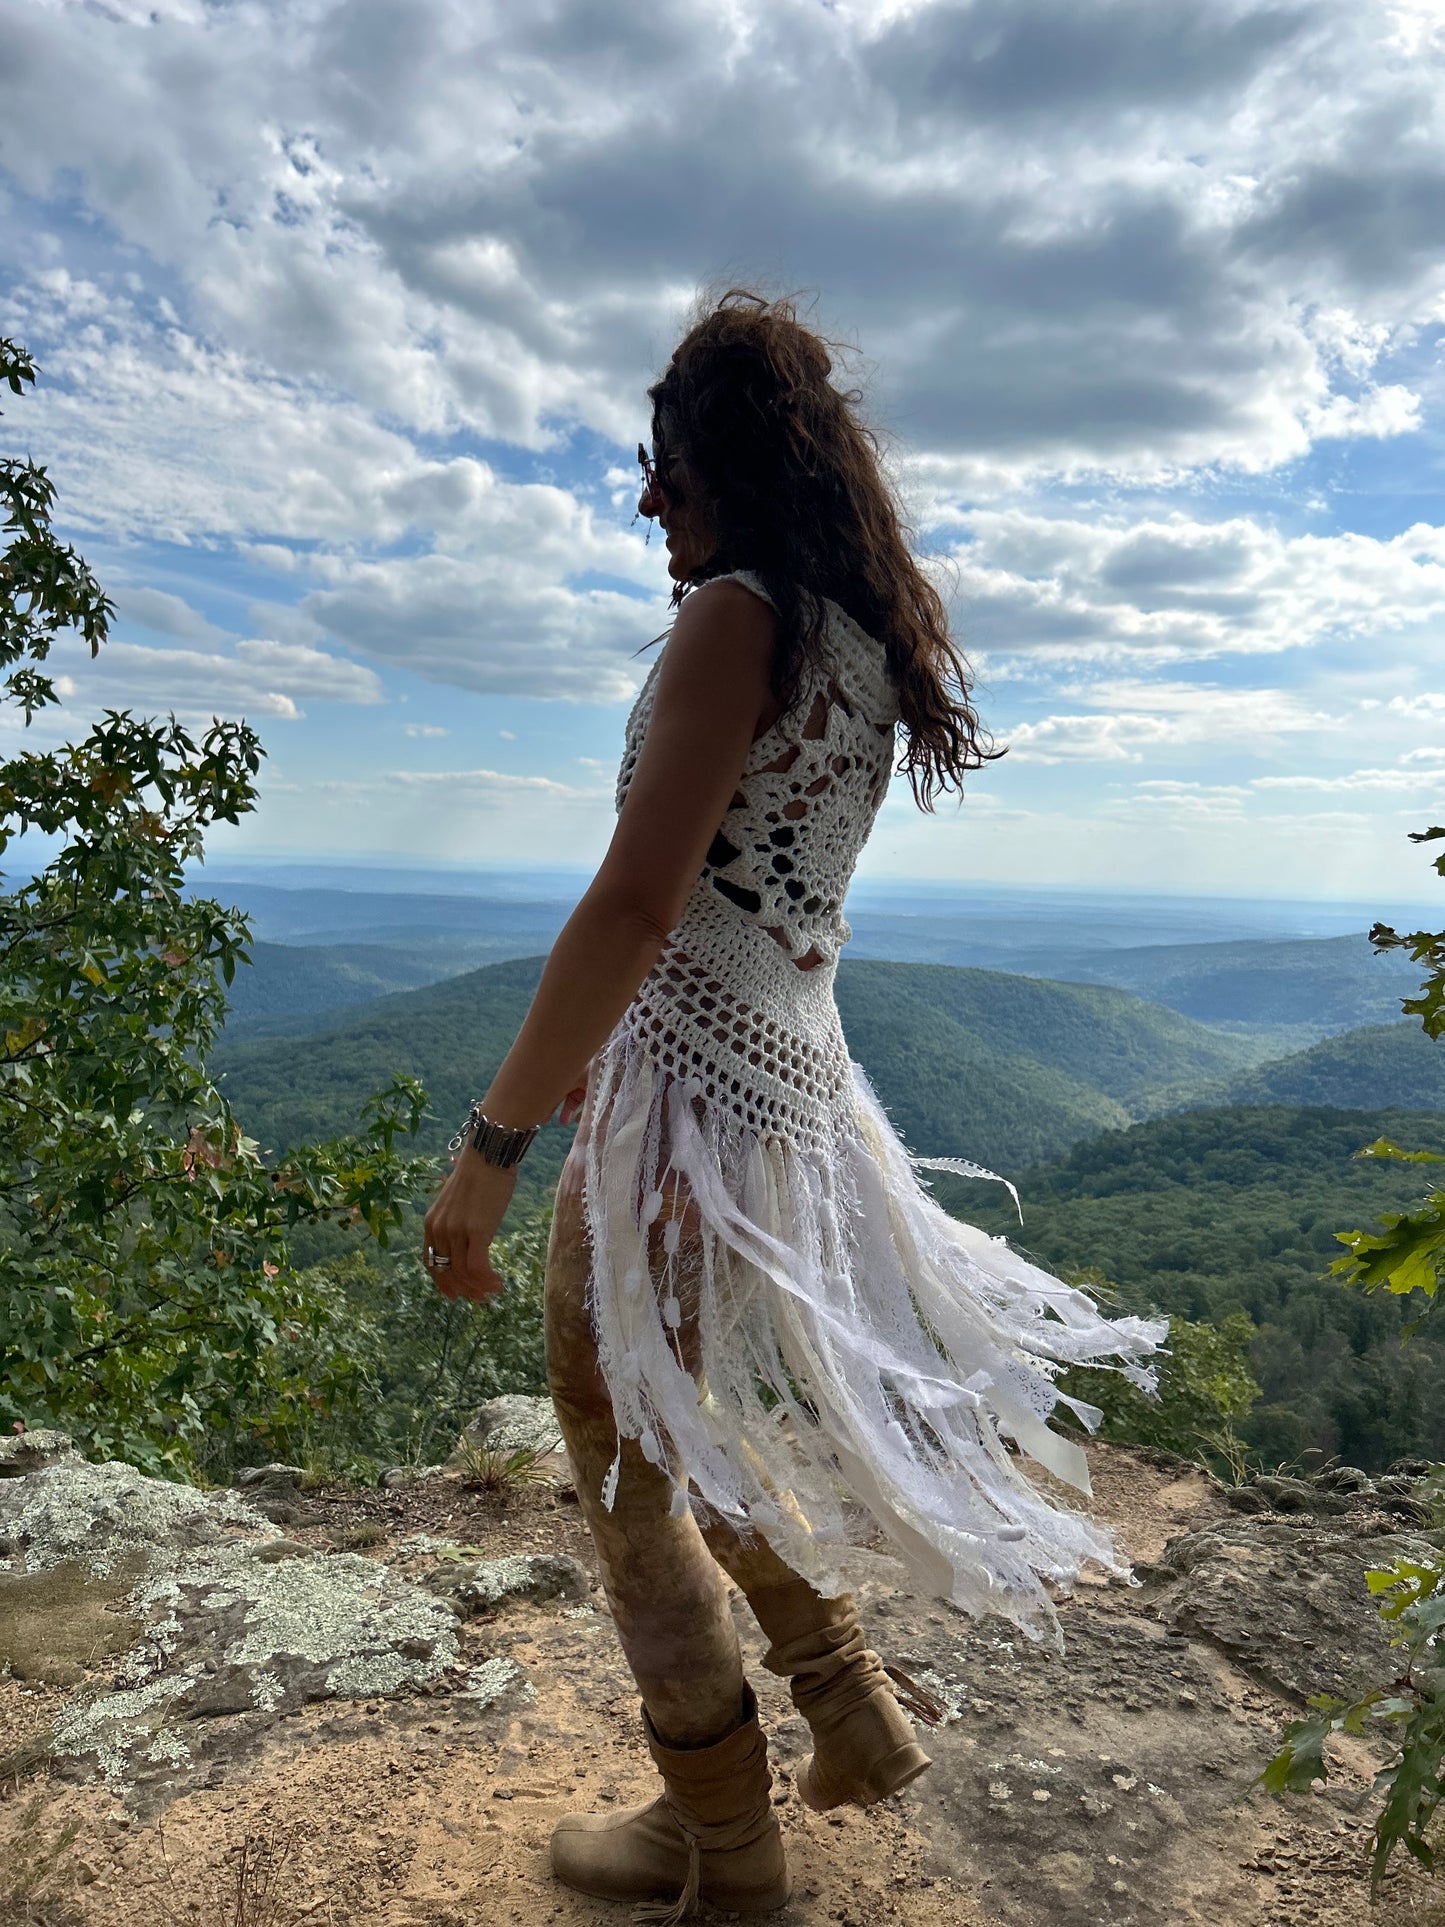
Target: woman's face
{"x":682,"y":517}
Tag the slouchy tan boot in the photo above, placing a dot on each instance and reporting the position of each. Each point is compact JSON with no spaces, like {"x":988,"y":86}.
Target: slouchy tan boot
{"x":863,"y":1745}
{"x":711,"y":1836}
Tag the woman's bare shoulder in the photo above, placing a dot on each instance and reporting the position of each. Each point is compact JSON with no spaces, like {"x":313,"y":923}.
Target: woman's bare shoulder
{"x":731,"y":598}
{"x":720,"y":648}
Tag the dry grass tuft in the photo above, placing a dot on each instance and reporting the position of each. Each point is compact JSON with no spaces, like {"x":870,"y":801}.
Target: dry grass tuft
{"x":252,"y":1890}
{"x":39,"y":1875}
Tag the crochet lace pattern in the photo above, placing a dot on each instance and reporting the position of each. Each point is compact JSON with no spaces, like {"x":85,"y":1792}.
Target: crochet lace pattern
{"x":742,"y":998}
{"x":853,"y":1341}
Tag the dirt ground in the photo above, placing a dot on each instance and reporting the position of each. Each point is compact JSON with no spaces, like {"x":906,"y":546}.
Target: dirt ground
{"x":433,"y":1811}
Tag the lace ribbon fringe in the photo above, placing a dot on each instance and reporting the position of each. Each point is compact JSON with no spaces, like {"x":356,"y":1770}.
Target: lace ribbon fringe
{"x":966,"y":1168}
{"x":854,"y":1340}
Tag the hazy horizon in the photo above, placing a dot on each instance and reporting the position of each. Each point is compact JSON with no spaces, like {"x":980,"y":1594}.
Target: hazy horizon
{"x":309,"y":867}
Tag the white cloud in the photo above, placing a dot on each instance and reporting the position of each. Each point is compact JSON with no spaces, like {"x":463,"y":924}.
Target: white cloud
{"x":1147,"y":719}
{"x":1075,"y":236}
{"x":494,"y":609}
{"x":1186,"y":803}
{"x":310,"y":672}
{"x":168,"y":615}
{"x":424,"y":729}
{"x":313,"y":286}
{"x":1176,"y":588}
{"x":494,"y":782}
{"x":152,"y":431}
{"x":261,"y":678}
{"x":196,"y":446}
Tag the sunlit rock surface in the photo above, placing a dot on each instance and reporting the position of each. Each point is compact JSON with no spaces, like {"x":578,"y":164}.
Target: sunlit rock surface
{"x":219,"y":1625}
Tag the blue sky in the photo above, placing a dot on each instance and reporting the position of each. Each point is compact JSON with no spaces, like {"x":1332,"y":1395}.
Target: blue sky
{"x":346,"y":310}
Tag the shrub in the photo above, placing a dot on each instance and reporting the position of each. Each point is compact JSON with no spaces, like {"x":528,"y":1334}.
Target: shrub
{"x":147,"y":1298}
{"x":1205,"y":1385}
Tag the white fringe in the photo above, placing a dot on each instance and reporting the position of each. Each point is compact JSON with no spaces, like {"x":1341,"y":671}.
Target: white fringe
{"x":855,"y":1339}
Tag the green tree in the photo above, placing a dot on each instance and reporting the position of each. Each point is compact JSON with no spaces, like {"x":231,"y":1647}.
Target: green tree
{"x":423,"y":1363}
{"x":146,"y":1294}
{"x":1405,"y":1255}
{"x":1205,"y":1386}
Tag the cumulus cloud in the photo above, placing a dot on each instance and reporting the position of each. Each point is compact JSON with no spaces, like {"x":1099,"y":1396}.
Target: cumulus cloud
{"x":352,"y":308}
{"x":1185,"y":803}
{"x":261,"y":678}
{"x":440,"y":566}
{"x":151,"y":430}
{"x":491,"y":623}
{"x":1087,"y":64}
{"x":1075,"y":237}
{"x":167,"y":615}
{"x":1176,"y":588}
{"x":502,"y":608}
{"x":1144,"y":719}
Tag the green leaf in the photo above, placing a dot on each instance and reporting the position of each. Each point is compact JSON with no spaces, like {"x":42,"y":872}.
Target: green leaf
{"x":1384,"y":1148}
{"x":1300,"y":1761}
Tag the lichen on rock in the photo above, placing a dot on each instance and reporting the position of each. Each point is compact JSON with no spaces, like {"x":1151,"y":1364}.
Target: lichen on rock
{"x":27,"y":1452}
{"x":224,"y":1616}
{"x":227,"y":1632}
{"x":481,"y":1585}
{"x":100,"y":1515}
{"x":513,"y":1422}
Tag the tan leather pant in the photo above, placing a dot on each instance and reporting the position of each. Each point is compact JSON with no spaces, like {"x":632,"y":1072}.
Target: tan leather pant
{"x":660,"y":1574}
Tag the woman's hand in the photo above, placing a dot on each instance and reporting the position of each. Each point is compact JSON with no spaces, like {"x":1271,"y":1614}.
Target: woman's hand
{"x":462,"y":1223}
{"x":469,"y":1207}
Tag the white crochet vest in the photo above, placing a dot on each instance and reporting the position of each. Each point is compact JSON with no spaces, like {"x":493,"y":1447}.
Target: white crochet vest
{"x":740,"y":1004}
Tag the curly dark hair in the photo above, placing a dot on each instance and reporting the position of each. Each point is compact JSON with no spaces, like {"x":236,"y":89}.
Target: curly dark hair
{"x":748,"y":416}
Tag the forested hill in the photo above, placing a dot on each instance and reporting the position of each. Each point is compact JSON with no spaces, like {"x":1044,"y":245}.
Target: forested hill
{"x":1007,"y":1069}
{"x":977,"y":1063}
{"x":1201,"y":1213}
{"x":292,"y":990}
{"x":1237,"y":1209}
{"x":1314,"y":984}
{"x":1379,"y":1065}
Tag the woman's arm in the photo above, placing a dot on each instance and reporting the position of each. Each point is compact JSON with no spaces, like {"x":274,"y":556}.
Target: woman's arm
{"x":712,"y":689}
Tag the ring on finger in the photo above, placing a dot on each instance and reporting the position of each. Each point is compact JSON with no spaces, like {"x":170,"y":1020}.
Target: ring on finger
{"x":436,"y":1260}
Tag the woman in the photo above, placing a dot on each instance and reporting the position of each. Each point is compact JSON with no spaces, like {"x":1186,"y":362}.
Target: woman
{"x":753,"y":1309}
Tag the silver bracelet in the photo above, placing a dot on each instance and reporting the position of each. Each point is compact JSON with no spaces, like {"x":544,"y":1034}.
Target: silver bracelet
{"x":496,"y":1143}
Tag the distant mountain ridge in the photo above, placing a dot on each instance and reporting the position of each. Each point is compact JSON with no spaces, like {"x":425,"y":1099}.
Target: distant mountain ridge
{"x":983,"y":1064}
{"x":1316,"y":984}
{"x":291,"y":990}
{"x":1299,"y":987}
